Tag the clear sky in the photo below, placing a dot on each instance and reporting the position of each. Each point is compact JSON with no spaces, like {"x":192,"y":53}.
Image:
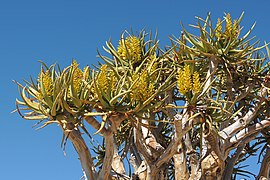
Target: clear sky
{"x":59,"y":30}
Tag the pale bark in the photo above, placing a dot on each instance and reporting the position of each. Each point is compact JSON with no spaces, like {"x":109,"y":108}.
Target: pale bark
{"x":79,"y":144}
{"x":240,"y":123}
{"x":108,"y":159}
{"x":117,"y":164}
{"x":180,"y":164}
{"x":95,"y":124}
{"x":249,"y":131}
{"x":179,"y":158}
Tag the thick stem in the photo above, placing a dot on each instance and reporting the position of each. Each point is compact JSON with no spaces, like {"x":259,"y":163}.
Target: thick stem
{"x":193,"y":158}
{"x":117,"y":164}
{"x":95,"y":124}
{"x":227,"y":174}
{"x":241,"y":122}
{"x":180,"y":164}
{"x":179,"y":158}
{"x":108,"y":159}
{"x":84,"y":155}
{"x":172,"y":147}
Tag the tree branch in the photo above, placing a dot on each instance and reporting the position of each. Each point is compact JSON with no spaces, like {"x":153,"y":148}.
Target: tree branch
{"x":95,"y":124}
{"x":265,"y":166}
{"x":117,"y":164}
{"x":114,"y":120}
{"x":240,"y":123}
{"x":107,"y":161}
{"x":79,"y":144}
{"x":172,"y":148}
{"x":141,"y":147}
{"x":249,"y":131}
{"x":231,"y":162}
{"x":179,"y":157}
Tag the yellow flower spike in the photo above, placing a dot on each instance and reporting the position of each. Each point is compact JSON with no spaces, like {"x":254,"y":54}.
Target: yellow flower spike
{"x":77,"y":79}
{"x":142,"y":90}
{"x":219,"y":29}
{"x":196,"y":82}
{"x":102,"y":80}
{"x":47,"y":82}
{"x":130,"y":49}
{"x":235,"y":29}
{"x":113,"y":81}
{"x":186,"y":77}
{"x":184,"y":80}
{"x":229,"y":26}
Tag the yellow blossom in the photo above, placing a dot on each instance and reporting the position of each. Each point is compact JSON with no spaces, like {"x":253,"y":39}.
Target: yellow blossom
{"x":229,"y":26}
{"x":102,"y":80}
{"x":130,"y":49}
{"x":77,"y":79}
{"x":196,"y":82}
{"x":142,"y":89}
{"x":46,"y":82}
{"x":184,"y":80}
{"x":235,"y":29}
{"x":219,"y":29}
{"x":113,"y":81}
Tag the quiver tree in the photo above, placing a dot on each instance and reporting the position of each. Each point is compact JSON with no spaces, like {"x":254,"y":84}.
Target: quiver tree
{"x":195,"y":110}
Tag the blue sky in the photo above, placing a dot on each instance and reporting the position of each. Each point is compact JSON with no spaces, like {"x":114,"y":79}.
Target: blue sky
{"x":57,"y":31}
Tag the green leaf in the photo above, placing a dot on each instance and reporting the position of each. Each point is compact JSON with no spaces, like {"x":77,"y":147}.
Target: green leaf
{"x":56,"y":103}
{"x":95,"y":114}
{"x":32,"y":104}
{"x":35,"y":117}
{"x":102,"y":125}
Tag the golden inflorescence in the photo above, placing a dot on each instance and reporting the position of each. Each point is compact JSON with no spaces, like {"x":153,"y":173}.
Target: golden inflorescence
{"x":47,"y":83}
{"x":231,"y":28}
{"x":219,"y":29}
{"x":188,"y":82}
{"x":102,"y":79}
{"x":143,"y":88}
{"x":130,"y":49}
{"x":77,"y":77}
{"x":106,"y":79}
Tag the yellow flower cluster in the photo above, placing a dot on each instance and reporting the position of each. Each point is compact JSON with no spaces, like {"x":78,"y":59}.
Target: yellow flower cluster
{"x":188,"y":82}
{"x":102,"y":79}
{"x":231,"y":29}
{"x":219,"y":29}
{"x":130,"y":49}
{"x":228,"y":26}
{"x":113,"y":81}
{"x":77,"y":77}
{"x":46,"y":82}
{"x":142,"y":89}
{"x":106,"y":79}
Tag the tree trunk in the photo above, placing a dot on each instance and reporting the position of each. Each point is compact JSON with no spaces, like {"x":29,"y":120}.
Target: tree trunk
{"x":79,"y":144}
